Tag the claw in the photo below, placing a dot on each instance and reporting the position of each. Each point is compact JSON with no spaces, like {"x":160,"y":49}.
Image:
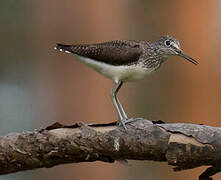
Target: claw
{"x":132,"y":120}
{"x":123,"y":123}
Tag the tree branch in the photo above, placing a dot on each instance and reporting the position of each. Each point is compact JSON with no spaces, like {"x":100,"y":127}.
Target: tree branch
{"x":184,"y":146}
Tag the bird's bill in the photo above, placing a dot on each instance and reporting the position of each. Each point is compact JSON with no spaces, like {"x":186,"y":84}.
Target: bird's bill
{"x":188,"y":58}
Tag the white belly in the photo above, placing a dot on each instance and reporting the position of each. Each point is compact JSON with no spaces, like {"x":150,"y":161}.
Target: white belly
{"x":116,"y":73}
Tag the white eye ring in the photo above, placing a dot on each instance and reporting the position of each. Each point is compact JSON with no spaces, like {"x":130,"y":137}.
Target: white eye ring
{"x":167,"y":42}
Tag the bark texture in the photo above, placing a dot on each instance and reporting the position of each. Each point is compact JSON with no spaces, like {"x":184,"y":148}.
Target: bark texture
{"x":184,"y":146}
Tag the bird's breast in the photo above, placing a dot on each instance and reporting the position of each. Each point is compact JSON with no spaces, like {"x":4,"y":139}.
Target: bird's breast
{"x":118,"y":73}
{"x":134,"y":73}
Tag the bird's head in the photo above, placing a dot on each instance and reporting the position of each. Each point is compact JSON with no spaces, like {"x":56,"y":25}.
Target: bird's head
{"x":167,"y":46}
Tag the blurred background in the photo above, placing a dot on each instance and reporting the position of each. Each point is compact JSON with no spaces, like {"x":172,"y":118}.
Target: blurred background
{"x":39,"y":86}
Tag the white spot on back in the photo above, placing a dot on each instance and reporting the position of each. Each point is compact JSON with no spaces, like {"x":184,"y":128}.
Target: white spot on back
{"x":88,"y":156}
{"x":67,"y":52}
{"x":116,"y":144}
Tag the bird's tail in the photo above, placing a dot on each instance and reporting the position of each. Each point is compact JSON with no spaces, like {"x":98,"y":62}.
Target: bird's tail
{"x":63,"y":48}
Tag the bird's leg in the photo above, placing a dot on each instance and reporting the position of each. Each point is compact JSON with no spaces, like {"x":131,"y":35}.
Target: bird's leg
{"x":119,"y":104}
{"x":124,"y":115}
{"x":115,"y":101}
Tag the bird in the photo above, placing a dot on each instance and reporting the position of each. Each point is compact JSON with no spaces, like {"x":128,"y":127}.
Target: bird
{"x":125,"y":61}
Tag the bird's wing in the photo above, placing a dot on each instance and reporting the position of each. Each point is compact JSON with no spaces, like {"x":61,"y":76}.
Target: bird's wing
{"x":114,"y":52}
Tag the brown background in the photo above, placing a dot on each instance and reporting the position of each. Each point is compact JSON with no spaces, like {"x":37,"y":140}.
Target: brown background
{"x":39,"y":85}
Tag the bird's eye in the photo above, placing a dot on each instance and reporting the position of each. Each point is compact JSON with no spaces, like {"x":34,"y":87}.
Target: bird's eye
{"x":167,"y":42}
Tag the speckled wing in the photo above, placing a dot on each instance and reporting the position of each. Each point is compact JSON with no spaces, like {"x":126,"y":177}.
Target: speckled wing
{"x":114,"y":52}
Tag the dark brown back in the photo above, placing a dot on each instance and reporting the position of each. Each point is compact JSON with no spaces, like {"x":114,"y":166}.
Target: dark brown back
{"x":113,"y":52}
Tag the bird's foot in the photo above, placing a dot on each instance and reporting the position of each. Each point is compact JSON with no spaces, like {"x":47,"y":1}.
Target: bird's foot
{"x":125,"y":121}
{"x":130,"y":120}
